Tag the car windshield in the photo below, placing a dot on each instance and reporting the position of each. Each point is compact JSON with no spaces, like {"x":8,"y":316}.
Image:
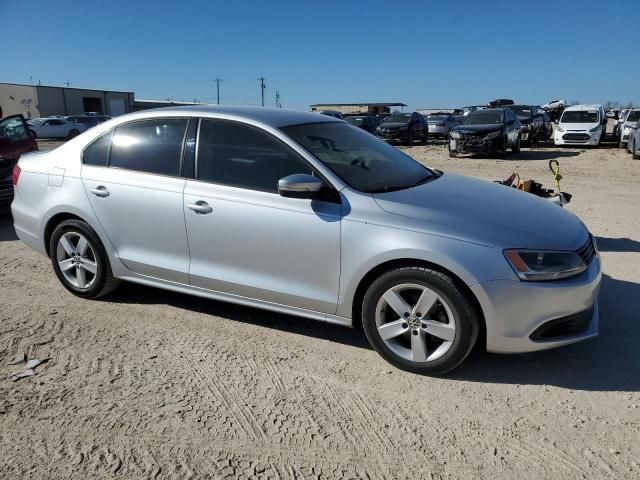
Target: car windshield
{"x":361,"y":160}
{"x":521,"y":110}
{"x":436,"y":118}
{"x":580,"y":116}
{"x":634,"y":116}
{"x":354,"y":120}
{"x":483,"y":117}
{"x":398,"y":118}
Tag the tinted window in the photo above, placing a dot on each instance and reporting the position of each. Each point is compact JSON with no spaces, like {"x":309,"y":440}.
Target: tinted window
{"x":242,"y":156}
{"x":13,"y":128}
{"x":152,"y":146}
{"x":98,"y":152}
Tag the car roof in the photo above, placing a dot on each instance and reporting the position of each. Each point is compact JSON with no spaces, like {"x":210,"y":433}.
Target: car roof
{"x":584,"y":107}
{"x":274,"y":117}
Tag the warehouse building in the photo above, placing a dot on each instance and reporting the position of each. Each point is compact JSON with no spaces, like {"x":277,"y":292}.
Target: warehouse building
{"x":351,"y":108}
{"x":34,"y":101}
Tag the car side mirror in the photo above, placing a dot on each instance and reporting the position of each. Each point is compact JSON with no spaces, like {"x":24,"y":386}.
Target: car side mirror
{"x":300,"y":185}
{"x":4,"y":141}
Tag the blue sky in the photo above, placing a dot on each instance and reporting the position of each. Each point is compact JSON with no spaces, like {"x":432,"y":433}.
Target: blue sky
{"x":423,"y":53}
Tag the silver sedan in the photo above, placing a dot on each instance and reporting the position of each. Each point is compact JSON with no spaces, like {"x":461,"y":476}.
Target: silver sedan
{"x":307,"y":215}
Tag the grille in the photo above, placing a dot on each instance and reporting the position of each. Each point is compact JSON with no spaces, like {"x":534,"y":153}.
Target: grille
{"x":563,"y":327}
{"x":576,"y":136}
{"x":587,"y":251}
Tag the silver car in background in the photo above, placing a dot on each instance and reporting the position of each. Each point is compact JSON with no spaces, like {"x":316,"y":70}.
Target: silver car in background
{"x":627,"y":127}
{"x":441,"y":124}
{"x":307,"y":215}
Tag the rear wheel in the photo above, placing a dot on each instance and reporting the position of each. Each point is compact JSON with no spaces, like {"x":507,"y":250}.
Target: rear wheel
{"x":73,"y":133}
{"x":80,"y":260}
{"x":419,"y":320}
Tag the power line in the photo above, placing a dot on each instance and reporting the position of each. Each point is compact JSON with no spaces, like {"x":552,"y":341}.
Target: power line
{"x":218,"y":80}
{"x":262,"y":87}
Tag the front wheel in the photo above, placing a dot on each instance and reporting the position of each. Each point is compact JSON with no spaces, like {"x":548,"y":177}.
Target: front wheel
{"x":516,"y":147}
{"x":73,"y":133}
{"x":410,"y":138}
{"x":419,"y":320}
{"x":80,"y":260}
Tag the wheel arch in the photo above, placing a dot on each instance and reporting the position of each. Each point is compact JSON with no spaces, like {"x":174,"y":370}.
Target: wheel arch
{"x":53,"y":222}
{"x":380,"y":269}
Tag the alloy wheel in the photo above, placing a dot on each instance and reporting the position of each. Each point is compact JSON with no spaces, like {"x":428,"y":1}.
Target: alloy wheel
{"x":76,"y":260}
{"x":415,"y":322}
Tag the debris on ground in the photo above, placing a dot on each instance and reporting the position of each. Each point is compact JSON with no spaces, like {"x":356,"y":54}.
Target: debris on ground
{"x":29,"y":367}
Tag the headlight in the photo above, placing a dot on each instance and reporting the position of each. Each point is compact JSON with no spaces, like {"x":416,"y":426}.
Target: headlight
{"x":537,"y":266}
{"x":493,"y":135}
{"x":559,"y":129}
{"x":595,"y":129}
{"x":456,"y":135}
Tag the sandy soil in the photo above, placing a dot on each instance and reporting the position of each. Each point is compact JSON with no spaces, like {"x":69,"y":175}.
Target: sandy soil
{"x":151,"y":384}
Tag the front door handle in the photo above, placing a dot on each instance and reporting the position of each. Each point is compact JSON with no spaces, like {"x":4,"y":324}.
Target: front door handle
{"x":200,"y":207}
{"x":100,"y":191}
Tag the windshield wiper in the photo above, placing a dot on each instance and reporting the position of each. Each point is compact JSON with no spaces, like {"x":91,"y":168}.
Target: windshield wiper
{"x":395,"y":188}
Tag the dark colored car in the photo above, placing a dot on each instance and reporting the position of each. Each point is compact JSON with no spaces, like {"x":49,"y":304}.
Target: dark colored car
{"x":15,"y":140}
{"x":500,"y":102}
{"x":365,"y":122}
{"x":332,"y":113}
{"x":490,"y":131}
{"x":403,"y":128}
{"x":533,"y":127}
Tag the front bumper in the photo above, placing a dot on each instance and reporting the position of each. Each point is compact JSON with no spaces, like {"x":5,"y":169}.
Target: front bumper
{"x":516,"y":312}
{"x":571,"y":138}
{"x":394,"y":135}
{"x":474,"y":145}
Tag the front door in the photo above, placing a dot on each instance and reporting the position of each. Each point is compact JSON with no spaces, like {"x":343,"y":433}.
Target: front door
{"x":247,"y":240}
{"x":136,"y":193}
{"x":15,"y":140}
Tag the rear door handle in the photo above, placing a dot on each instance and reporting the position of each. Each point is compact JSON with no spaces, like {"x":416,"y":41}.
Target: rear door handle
{"x":200,"y":207}
{"x":100,"y":191}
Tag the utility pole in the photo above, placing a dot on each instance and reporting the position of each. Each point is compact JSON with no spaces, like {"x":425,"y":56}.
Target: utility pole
{"x":262,"y":87}
{"x":218,"y":80}
{"x":67,"y":84}
{"x":278,"y":105}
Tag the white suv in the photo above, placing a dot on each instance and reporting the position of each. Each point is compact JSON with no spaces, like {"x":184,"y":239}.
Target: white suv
{"x":581,"y":125}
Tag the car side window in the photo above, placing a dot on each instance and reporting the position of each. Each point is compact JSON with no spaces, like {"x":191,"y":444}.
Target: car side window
{"x":243,"y":156}
{"x":150,"y":146}
{"x":97,"y":153}
{"x":13,"y":128}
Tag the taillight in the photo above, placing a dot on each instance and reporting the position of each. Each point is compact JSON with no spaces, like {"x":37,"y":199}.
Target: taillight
{"x":15,"y":175}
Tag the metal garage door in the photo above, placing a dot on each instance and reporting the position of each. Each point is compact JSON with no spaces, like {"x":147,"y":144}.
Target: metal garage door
{"x":116,"y":107}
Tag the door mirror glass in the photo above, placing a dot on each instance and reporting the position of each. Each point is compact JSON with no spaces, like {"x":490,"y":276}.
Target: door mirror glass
{"x":299,"y":185}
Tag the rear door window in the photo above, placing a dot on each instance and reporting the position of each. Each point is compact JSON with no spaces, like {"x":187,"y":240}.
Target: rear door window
{"x":97,"y":154}
{"x":151,"y":146}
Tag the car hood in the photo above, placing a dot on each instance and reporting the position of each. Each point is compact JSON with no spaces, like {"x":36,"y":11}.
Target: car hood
{"x":478,"y":129}
{"x":487,"y":213}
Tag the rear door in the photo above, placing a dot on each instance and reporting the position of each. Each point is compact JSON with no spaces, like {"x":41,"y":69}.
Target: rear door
{"x":132,"y":176}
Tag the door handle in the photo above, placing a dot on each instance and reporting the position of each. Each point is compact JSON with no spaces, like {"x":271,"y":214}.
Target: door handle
{"x":100,"y":191}
{"x":200,"y":207}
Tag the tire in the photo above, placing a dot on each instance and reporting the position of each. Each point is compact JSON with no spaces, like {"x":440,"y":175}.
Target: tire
{"x":410,"y":138}
{"x":33,"y":134}
{"x":449,"y":302}
{"x":425,"y":137}
{"x":516,"y":148}
{"x":94,"y":262}
{"x":502,"y":152}
{"x":73,"y":133}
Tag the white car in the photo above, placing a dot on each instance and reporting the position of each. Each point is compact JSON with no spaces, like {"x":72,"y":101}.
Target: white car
{"x":55,"y":127}
{"x":629,"y":123}
{"x":581,"y":125}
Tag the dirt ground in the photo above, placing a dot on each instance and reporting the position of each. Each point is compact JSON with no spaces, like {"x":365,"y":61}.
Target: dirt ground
{"x":153,"y":384}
